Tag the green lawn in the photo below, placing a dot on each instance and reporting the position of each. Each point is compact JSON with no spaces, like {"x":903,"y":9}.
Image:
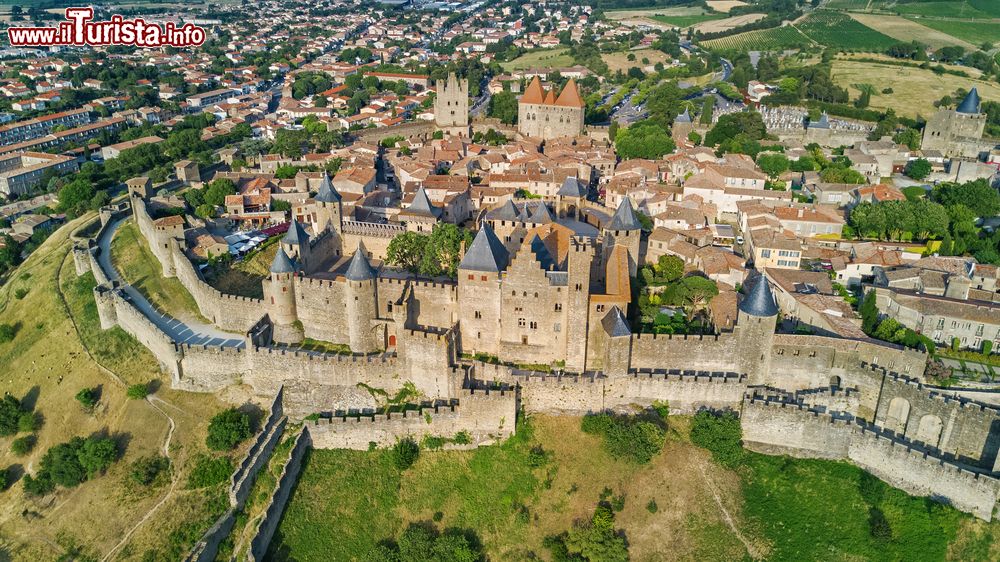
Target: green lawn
{"x":546,"y":58}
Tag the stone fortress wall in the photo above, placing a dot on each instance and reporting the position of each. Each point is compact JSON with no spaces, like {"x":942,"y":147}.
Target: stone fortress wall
{"x":689,"y":373}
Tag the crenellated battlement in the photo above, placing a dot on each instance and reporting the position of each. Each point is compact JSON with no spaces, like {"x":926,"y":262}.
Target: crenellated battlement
{"x":378,"y":230}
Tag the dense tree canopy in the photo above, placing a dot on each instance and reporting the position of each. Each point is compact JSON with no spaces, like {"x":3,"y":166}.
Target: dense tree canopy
{"x":643,"y":139}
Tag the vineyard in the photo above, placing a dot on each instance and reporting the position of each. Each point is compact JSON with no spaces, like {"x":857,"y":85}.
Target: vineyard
{"x":973,"y":32}
{"x":830,"y":29}
{"x":777,"y":38}
{"x":952,"y":9}
{"x":834,"y":29}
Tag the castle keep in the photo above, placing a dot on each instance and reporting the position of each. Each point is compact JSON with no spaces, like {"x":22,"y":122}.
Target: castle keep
{"x":538,"y":288}
{"x":958,"y":132}
{"x":546,"y":116}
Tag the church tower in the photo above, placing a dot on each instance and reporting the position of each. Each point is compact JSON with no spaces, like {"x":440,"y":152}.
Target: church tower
{"x":451,"y":106}
{"x":756,"y":320}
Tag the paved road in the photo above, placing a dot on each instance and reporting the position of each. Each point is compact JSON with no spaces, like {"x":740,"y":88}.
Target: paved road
{"x":189,"y":331}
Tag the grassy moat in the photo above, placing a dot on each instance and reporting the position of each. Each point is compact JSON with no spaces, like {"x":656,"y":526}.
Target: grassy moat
{"x":682,"y":505}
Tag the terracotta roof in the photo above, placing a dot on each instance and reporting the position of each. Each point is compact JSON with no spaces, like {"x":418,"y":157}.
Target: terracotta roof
{"x":570,"y":96}
{"x":534,"y":92}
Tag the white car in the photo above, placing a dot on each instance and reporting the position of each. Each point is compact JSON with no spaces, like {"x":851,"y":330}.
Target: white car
{"x":739,"y":240}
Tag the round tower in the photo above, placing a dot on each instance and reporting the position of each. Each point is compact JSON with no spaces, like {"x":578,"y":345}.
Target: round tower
{"x":359,"y":295}
{"x":328,"y":207}
{"x":281,"y":290}
{"x":755,"y":324}
{"x":624,"y":229}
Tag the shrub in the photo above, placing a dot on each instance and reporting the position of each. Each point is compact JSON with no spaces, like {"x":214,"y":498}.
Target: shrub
{"x":88,"y":398}
{"x":463,"y":437}
{"x":20,"y":293}
{"x":209,"y":471}
{"x":146,"y":470}
{"x":7,"y":332}
{"x":404,"y":453}
{"x":38,"y":485}
{"x":29,"y":421}
{"x":70,"y":464}
{"x":10,"y":415}
{"x":652,"y":507}
{"x":23,"y":445}
{"x":721,"y":435}
{"x":138,"y":391}
{"x":632,"y":438}
{"x":227,"y":429}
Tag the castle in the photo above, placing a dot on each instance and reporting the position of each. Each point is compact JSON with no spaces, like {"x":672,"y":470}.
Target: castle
{"x":546,"y":116}
{"x":451,"y":106}
{"x":537,"y":321}
{"x":958,"y":132}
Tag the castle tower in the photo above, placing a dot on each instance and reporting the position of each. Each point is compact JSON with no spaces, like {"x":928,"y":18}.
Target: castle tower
{"x":756,"y":320}
{"x":329,"y":209}
{"x":683,"y":125}
{"x":479,"y":292}
{"x":544,"y":115}
{"x":280,"y":290}
{"x":624,"y":229}
{"x":451,"y":106}
{"x":570,"y":198}
{"x":618,"y":345}
{"x":359,"y":295}
{"x":296,"y":244}
{"x":578,"y":264}
{"x":957,"y":132}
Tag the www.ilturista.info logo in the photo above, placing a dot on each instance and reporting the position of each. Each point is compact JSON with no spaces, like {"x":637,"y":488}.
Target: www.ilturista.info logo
{"x":79,"y":31}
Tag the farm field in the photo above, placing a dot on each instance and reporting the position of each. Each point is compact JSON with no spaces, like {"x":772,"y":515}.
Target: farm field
{"x":716,"y":25}
{"x":535,"y":485}
{"x":950,"y":9}
{"x":975,"y":32}
{"x":724,"y":5}
{"x":619,"y":61}
{"x":904,"y":29}
{"x":785,"y":37}
{"x":839,"y":30}
{"x":54,"y":355}
{"x":914,"y":89}
{"x":686,"y":21}
{"x":552,"y":58}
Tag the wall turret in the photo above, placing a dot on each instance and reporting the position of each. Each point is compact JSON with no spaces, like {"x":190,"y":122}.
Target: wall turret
{"x":281,"y":290}
{"x":624,"y":229}
{"x":296,"y":244}
{"x":329,"y":210}
{"x":361,"y":304}
{"x":756,"y":321}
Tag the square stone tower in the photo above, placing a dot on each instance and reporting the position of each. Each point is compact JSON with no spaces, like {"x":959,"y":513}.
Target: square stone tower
{"x":451,"y":106}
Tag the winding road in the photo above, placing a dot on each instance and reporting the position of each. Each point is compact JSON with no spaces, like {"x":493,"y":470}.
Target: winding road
{"x":189,"y":331}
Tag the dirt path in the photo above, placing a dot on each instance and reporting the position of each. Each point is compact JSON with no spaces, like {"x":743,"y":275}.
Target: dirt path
{"x":751,"y":550}
{"x":173,"y":481}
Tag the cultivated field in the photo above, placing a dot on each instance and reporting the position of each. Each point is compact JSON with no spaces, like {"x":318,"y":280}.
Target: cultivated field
{"x":975,"y":32}
{"x":727,"y":23}
{"x":537,"y":484}
{"x":964,"y":9}
{"x":905,"y":29}
{"x":686,"y":21}
{"x":914,"y":89}
{"x":59,"y":350}
{"x":619,"y":61}
{"x":650,"y":16}
{"x":549,"y":58}
{"x":724,"y":5}
{"x":778,"y":38}
{"x":826,"y":28}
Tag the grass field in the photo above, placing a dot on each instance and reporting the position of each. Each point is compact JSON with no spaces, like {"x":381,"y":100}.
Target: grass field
{"x":904,"y":29}
{"x":619,"y":61}
{"x":49,"y":361}
{"x":949,"y":9}
{"x":244,"y":277}
{"x":914,"y":89}
{"x":786,"y":509}
{"x":548,"y":58}
{"x":971,"y":31}
{"x":686,"y":21}
{"x":140,"y":268}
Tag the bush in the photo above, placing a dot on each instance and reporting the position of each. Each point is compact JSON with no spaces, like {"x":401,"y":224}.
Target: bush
{"x":721,"y":435}
{"x":10,"y":415}
{"x":227,"y":429}
{"x":146,"y":470}
{"x":29,"y":421}
{"x":22,"y":445}
{"x":652,"y":507}
{"x":88,"y":398}
{"x":633,"y":438}
{"x":138,"y":391}
{"x":209,"y":471}
{"x":7,"y":332}
{"x":20,"y":293}
{"x":70,"y":464}
{"x":404,"y":453}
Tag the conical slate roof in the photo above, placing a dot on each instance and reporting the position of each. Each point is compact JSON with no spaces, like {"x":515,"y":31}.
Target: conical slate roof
{"x":486,"y":253}
{"x":614,"y":323}
{"x":542,"y":253}
{"x":421,"y":205}
{"x":506,"y":211}
{"x":571,"y":188}
{"x":541,"y":214}
{"x":760,"y":301}
{"x":282,"y":263}
{"x":624,"y":218}
{"x":684,"y":117}
{"x":327,"y":193}
{"x":970,"y":104}
{"x":296,"y":234}
{"x":359,"y":268}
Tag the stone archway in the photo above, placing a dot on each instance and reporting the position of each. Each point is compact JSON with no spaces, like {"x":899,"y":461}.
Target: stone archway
{"x":899,"y":412}
{"x":929,"y":430}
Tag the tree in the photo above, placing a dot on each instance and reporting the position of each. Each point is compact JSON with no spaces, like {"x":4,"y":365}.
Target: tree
{"x":503,"y":106}
{"x":597,"y":539}
{"x":227,"y":429}
{"x":643,"y":139}
{"x":96,"y":455}
{"x":217,"y":190}
{"x":407,"y":251}
{"x":918,"y":169}
{"x":88,"y":398}
{"x":138,"y":391}
{"x":694,"y":137}
{"x":22,"y":445}
{"x":146,"y":470}
{"x":728,"y":126}
{"x":773,"y":164}
{"x":978,"y":196}
{"x":14,"y":417}
{"x":721,"y":434}
{"x":909,"y":136}
{"x":869,"y":313}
